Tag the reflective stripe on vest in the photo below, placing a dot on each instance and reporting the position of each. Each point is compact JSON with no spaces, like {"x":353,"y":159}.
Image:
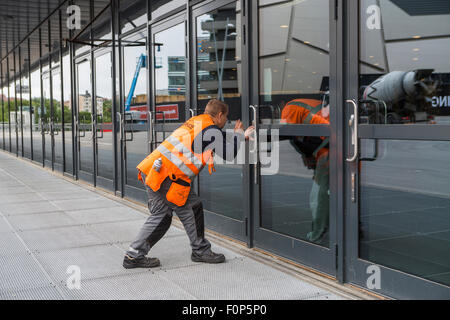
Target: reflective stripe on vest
{"x":312,"y":110}
{"x":186,"y":152}
{"x":176,"y":161}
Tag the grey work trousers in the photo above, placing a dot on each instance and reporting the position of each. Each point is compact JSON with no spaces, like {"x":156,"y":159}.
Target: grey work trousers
{"x":160,"y":219}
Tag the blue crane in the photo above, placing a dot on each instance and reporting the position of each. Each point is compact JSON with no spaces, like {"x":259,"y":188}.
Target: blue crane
{"x":142,"y":63}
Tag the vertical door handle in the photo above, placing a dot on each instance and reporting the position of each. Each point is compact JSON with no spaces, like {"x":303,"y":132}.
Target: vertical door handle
{"x":256,"y":148}
{"x":192,"y":112}
{"x":120,"y":125}
{"x":353,"y":123}
{"x":150,"y":128}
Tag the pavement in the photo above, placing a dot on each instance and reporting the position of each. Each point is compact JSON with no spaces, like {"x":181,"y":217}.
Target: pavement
{"x":61,"y":239}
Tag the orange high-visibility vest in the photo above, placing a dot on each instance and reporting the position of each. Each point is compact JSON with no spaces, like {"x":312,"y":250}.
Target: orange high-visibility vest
{"x":179,"y":161}
{"x":306,"y":111}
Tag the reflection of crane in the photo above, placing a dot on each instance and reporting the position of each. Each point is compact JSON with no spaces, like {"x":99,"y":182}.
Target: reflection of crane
{"x":142,"y":63}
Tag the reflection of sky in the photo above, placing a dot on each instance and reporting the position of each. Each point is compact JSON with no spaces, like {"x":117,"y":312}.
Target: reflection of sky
{"x":173,"y":40}
{"x":103,"y":76}
{"x":84,"y":79}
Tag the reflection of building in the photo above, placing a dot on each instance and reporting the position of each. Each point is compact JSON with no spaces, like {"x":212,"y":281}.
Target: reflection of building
{"x":25,"y":119}
{"x":85,"y":103}
{"x":222,"y":39}
{"x":176,"y":74}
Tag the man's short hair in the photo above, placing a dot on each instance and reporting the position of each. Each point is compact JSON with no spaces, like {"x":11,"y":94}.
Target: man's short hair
{"x":214,"y":107}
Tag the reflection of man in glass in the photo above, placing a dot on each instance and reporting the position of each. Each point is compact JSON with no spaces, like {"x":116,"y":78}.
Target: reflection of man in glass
{"x":314,"y":152}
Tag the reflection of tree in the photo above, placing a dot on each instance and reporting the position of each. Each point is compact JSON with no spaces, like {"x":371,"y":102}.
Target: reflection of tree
{"x":107,"y":111}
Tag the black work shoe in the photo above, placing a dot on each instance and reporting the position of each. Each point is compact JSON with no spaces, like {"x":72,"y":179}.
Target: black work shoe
{"x":142,"y":262}
{"x":208,"y":257}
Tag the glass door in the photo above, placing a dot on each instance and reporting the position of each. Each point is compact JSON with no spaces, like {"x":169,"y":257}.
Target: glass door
{"x":56,"y":124}
{"x":47,"y":119}
{"x":294,"y":106}
{"x":103,"y":132}
{"x":398,"y":146}
{"x":134,"y":115}
{"x":85,"y":120}
{"x":217,"y":47}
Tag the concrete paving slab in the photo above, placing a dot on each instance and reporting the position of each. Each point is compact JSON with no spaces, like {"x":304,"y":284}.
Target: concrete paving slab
{"x":60,"y":238}
{"x":100,"y":215}
{"x":91,"y":203}
{"x":29,"y":208}
{"x":241,"y":279}
{"x":41,"y":221}
{"x":44,"y":293}
{"x":20,"y":271}
{"x":143,"y":286}
{"x":94,"y":262}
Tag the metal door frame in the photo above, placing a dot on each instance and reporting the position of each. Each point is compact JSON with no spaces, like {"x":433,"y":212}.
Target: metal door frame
{"x":393,"y":282}
{"x":323,"y":259}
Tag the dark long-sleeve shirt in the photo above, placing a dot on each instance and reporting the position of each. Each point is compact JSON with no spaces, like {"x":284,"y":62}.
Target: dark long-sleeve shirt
{"x":227,"y":150}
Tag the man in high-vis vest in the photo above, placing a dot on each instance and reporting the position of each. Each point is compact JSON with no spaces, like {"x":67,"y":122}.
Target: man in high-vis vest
{"x":314,"y":151}
{"x":168,"y":174}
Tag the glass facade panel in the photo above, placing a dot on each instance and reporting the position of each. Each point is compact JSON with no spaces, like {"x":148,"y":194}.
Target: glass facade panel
{"x":68,"y":118}
{"x":85,"y":116}
{"x":12,"y":108}
{"x":219,"y":76}
{"x":134,"y":49}
{"x":405,"y":206}
{"x":103,"y":103}
{"x":404,"y":66}
{"x":294,"y":75}
{"x":46,"y":118}
{"x":57,"y":116}
{"x":26,"y":114}
{"x":36,"y":104}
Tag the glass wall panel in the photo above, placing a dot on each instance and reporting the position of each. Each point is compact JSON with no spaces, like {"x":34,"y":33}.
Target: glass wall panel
{"x":85,"y":116}
{"x":25,"y":102}
{"x":134,"y":49}
{"x":405,"y":206}
{"x":17,"y":102}
{"x":4,"y":120}
{"x":46,"y":116}
{"x":218,"y":68}
{"x":57,"y":116}
{"x":12,"y":108}
{"x":294,"y":66}
{"x":103,"y":102}
{"x":404,"y":65}
{"x":37,"y":125}
{"x":68,"y":118}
